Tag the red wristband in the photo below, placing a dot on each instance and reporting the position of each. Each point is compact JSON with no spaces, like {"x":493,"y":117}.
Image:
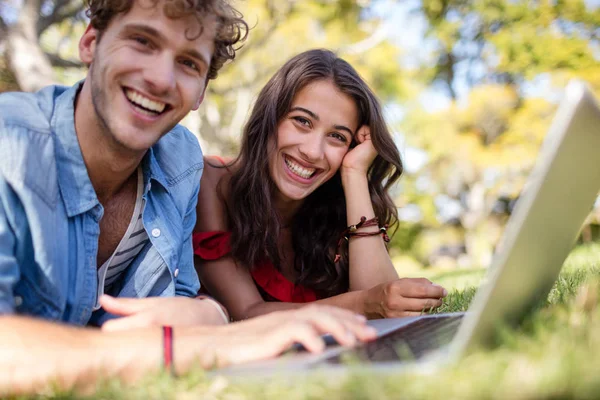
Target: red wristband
{"x":168,"y":349}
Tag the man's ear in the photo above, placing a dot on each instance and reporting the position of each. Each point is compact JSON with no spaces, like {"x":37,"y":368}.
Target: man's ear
{"x":87,"y":45}
{"x":201,"y":98}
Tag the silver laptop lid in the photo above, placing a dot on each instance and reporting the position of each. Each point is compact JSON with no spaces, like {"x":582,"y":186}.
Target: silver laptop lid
{"x":555,"y":201}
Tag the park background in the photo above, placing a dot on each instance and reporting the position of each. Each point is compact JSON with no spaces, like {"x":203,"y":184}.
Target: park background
{"x":469,"y":89}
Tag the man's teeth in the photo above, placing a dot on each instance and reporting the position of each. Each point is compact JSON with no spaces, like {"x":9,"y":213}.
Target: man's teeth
{"x":145,"y":102}
{"x":299,"y":170}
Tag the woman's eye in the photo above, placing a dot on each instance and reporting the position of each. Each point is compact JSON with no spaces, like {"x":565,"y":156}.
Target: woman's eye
{"x":339,"y":137}
{"x":302,"y":121}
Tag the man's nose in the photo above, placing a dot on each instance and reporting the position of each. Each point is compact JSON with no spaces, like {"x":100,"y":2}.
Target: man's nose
{"x":160,"y":75}
{"x":312,"y":147}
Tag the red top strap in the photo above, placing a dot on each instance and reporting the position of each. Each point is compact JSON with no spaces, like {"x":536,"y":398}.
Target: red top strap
{"x":214,"y":245}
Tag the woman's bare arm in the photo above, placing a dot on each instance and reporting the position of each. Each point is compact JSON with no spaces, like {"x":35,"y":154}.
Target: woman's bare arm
{"x":370,"y":263}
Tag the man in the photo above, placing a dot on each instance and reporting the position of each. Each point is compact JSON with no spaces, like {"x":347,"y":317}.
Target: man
{"x":98,"y":189}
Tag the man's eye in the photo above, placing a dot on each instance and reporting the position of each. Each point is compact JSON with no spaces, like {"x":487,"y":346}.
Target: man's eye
{"x":141,"y":40}
{"x":190,"y":64}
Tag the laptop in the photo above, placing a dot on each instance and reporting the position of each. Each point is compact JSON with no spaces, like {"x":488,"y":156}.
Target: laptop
{"x":557,"y":198}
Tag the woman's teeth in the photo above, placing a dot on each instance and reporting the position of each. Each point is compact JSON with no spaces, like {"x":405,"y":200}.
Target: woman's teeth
{"x":299,"y":170}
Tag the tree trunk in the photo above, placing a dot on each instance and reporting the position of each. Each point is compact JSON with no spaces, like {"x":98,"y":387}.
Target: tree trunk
{"x":26,"y":59}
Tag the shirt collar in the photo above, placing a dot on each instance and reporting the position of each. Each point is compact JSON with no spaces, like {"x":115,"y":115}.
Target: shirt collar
{"x":76,"y":188}
{"x":152,"y":170}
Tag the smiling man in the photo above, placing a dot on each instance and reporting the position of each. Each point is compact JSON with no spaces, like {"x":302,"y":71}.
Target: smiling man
{"x":98,"y":190}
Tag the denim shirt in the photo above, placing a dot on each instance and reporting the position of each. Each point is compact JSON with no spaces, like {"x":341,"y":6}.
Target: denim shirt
{"x":49,"y":213}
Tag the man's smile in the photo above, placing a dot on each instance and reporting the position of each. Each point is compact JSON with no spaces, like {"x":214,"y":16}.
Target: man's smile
{"x":144,"y":104}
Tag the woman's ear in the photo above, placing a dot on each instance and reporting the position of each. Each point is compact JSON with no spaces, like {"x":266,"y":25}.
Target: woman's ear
{"x":87,"y":45}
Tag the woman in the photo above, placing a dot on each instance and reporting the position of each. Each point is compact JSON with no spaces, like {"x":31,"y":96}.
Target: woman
{"x":301,"y":214}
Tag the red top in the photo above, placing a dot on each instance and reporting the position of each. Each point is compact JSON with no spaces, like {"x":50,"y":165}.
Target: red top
{"x":214,"y":245}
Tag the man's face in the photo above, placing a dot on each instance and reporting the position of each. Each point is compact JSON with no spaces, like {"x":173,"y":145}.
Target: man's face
{"x":146,"y":74}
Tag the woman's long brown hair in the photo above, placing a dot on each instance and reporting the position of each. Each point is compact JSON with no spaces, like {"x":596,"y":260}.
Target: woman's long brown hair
{"x":316,"y":227}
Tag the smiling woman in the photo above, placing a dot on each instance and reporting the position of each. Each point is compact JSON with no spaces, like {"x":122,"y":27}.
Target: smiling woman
{"x":315,"y":166}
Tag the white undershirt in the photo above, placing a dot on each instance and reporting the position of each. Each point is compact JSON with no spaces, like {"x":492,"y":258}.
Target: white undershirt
{"x":131,"y":244}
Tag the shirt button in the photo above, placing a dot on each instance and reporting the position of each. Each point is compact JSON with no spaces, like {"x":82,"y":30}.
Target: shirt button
{"x":155,"y":232}
{"x":18,"y":301}
{"x":176,"y":272}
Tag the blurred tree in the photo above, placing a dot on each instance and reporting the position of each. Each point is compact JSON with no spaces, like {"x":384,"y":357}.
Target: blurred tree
{"x":41,"y":46}
{"x":280,"y":31}
{"x":482,"y":148}
{"x":509,"y":42}
{"x":28,"y":60}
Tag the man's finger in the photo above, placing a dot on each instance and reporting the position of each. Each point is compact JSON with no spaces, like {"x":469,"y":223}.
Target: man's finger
{"x":127,"y":323}
{"x":124,"y":306}
{"x":341,"y":322}
{"x":305,"y":334}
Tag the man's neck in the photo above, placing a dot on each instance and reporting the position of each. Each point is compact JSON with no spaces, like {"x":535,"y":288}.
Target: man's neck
{"x":109,"y":166}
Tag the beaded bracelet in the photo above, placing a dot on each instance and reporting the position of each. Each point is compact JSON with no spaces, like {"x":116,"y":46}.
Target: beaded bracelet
{"x":352,"y":231}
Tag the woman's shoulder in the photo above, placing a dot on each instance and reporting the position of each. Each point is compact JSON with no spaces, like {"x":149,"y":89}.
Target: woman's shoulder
{"x":211,"y":208}
{"x":217,"y":171}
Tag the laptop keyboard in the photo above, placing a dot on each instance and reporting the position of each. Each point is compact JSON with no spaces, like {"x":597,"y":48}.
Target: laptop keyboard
{"x":410,"y":342}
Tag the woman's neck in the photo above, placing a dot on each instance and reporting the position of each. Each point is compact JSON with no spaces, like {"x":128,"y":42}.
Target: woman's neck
{"x":287,"y":209}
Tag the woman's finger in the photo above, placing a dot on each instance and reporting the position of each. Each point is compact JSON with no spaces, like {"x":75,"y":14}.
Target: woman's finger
{"x":363,"y":133}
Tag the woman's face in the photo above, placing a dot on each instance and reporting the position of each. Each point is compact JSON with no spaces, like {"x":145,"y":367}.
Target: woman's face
{"x":312,"y":140}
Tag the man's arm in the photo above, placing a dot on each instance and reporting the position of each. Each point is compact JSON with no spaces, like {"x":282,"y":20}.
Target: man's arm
{"x":36,"y":355}
{"x":9,"y":267}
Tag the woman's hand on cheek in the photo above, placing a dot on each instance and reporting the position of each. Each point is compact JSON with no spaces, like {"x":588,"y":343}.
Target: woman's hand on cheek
{"x":359,"y":159}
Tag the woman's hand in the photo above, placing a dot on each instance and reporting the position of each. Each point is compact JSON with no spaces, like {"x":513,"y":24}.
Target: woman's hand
{"x":404,"y":297}
{"x":359,"y":159}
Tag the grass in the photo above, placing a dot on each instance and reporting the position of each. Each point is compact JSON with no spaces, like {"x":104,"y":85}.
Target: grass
{"x":554,"y":354}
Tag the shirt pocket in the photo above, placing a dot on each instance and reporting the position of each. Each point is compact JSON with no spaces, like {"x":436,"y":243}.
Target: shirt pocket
{"x":35,"y":295}
{"x":148,"y":275}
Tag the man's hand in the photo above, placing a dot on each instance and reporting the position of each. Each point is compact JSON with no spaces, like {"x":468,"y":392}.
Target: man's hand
{"x":403,"y":298}
{"x":158,"y":311}
{"x":269,"y":335}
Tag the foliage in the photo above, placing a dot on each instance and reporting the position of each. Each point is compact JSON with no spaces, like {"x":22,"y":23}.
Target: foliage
{"x":488,"y":55}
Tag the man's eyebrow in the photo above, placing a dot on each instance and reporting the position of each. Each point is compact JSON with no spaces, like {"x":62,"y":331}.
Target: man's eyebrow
{"x":197,"y":55}
{"x":147,"y":30}
{"x":150,"y":31}
{"x":315,"y":116}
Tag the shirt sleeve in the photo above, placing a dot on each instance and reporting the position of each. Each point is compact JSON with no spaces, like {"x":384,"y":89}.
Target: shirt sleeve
{"x":9,"y":268}
{"x":187,"y":283}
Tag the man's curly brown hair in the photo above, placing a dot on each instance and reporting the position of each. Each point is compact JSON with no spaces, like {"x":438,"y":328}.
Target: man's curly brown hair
{"x":231,"y":29}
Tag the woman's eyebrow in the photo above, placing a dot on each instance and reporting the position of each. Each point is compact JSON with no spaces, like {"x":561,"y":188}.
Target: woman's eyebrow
{"x":312,"y":114}
{"x":344,"y":128}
